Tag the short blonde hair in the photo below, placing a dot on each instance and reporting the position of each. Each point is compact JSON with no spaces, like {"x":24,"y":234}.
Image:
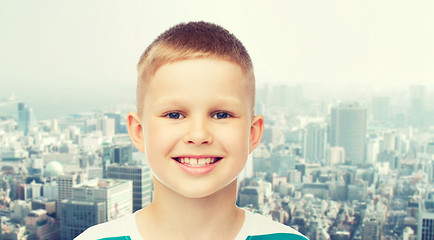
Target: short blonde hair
{"x":190,"y":41}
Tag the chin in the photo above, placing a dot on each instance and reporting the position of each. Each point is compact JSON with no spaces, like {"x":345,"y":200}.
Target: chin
{"x":197,"y":192}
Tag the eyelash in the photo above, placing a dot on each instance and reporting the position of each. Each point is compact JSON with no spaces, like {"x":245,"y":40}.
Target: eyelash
{"x":181,"y":116}
{"x":215,"y":114}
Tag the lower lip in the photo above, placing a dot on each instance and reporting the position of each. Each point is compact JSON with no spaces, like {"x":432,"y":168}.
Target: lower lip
{"x":197,"y":170}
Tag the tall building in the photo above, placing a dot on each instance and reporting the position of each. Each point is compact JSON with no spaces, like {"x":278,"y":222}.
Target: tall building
{"x":117,"y":118}
{"x":429,"y":148}
{"x":348,"y":130}
{"x":50,"y":190}
{"x":371,"y":229}
{"x":118,"y":153}
{"x":108,"y":126}
{"x":117,"y":194}
{"x":389,"y":141}
{"x":372,"y":150}
{"x":380,"y":107}
{"x":314,"y":142}
{"x":23,"y":117}
{"x":66,"y":182}
{"x":425,"y":224}
{"x":142,"y":182}
{"x":80,"y":215}
{"x":416,"y":114}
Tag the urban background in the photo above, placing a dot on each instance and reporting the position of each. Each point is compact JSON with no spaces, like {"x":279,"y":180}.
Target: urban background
{"x":346,"y":88}
{"x":329,"y":167}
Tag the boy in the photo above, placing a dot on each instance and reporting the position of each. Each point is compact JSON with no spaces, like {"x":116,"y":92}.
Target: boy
{"x":196,"y":125}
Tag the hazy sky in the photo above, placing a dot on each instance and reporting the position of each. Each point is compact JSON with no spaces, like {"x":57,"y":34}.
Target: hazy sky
{"x":83,"y":53}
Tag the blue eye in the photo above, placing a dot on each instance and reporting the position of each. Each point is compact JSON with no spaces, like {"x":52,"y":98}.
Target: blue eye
{"x":174,"y":115}
{"x":221,"y":115}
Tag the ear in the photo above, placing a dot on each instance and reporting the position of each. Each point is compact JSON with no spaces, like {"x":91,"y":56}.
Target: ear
{"x":256,"y":130}
{"x":135,"y":131}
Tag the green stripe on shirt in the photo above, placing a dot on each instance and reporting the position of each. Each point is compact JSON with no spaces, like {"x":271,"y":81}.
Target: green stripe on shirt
{"x":116,"y":238}
{"x":277,"y":236}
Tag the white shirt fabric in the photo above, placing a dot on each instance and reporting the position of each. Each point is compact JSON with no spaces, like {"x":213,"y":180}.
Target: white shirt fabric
{"x":255,"y":226}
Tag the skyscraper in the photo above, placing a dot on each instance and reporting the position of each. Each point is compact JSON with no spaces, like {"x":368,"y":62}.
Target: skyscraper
{"x":425,"y":224}
{"x":77,"y":216}
{"x":23,"y":117}
{"x":416,"y":114}
{"x":389,"y":141}
{"x":429,"y":148}
{"x":348,"y":130}
{"x":117,"y":153}
{"x":142,"y":182}
{"x":117,"y":117}
{"x":372,"y":150}
{"x":314,"y":142}
{"x":66,"y":182}
{"x":64,"y":185}
{"x":370,"y":229}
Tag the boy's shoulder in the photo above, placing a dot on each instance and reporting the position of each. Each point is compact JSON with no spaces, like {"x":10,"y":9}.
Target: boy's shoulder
{"x":259,"y":227}
{"x":123,"y":228}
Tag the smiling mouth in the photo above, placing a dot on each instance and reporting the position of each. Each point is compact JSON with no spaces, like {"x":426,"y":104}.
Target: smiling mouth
{"x":197,"y":162}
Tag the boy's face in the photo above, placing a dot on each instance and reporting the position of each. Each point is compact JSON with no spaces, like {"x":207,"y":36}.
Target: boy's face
{"x":197,"y":111}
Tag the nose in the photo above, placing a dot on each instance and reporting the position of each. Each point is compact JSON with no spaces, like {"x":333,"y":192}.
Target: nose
{"x":198,"y":133}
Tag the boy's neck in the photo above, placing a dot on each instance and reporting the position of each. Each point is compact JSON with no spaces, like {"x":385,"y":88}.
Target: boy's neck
{"x":192,"y":218}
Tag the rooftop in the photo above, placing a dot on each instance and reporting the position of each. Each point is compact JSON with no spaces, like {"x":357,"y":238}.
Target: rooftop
{"x":102,"y":183}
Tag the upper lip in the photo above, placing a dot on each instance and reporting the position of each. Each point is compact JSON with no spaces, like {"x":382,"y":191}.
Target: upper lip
{"x":197,"y":156}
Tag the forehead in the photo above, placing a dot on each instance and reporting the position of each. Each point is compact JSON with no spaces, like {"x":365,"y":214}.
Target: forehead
{"x":197,"y":77}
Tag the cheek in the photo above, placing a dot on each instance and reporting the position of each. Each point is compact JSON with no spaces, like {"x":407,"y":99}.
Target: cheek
{"x":234,"y":139}
{"x":158,"y":142}
{"x":159,"y":139}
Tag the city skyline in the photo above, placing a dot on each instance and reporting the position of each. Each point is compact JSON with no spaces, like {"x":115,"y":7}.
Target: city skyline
{"x":362,"y":94}
{"x":314,"y":170}
{"x":63,"y":54}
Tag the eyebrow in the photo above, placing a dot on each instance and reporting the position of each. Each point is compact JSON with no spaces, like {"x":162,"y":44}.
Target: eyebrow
{"x":219,"y":101}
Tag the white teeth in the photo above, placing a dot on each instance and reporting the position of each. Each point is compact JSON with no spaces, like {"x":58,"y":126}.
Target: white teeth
{"x":193,"y":161}
{"x":197,"y":162}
